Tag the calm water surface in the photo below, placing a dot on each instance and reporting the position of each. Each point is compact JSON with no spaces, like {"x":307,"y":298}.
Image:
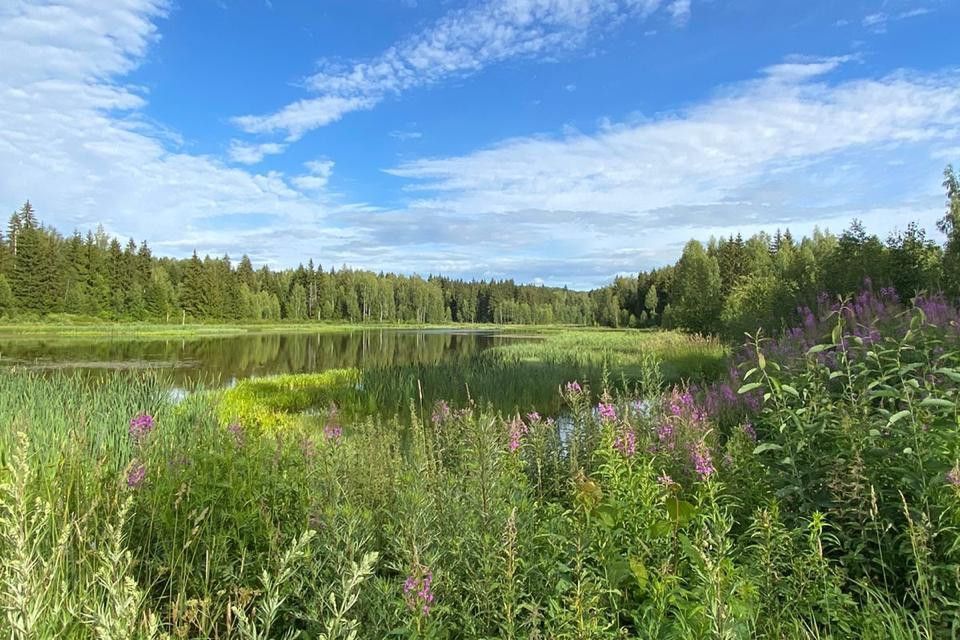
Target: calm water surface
{"x":399,"y":366}
{"x":225,"y":359}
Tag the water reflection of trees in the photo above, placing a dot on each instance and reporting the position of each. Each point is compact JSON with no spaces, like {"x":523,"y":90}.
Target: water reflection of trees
{"x":224,"y":358}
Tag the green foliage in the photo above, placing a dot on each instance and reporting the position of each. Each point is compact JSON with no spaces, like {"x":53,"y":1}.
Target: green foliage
{"x":839,"y":522}
{"x":696,"y":298}
{"x":274,"y":402}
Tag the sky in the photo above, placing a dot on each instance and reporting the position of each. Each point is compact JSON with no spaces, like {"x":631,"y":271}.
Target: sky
{"x":551,"y":141}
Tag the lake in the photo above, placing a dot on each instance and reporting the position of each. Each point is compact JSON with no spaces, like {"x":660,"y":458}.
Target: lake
{"x":222,"y":359}
{"x":398,"y":365}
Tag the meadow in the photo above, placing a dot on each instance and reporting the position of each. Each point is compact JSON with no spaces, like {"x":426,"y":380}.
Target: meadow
{"x":803,"y":487}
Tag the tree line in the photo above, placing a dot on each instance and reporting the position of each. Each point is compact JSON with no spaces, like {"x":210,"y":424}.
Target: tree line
{"x":43,"y":273}
{"x":734,"y":285}
{"x":729,"y":285}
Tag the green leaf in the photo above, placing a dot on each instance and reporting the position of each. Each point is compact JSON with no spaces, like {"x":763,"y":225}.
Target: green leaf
{"x":747,"y":388}
{"x":766,"y":446}
{"x":790,"y":390}
{"x":898,"y":416}
{"x":953,"y":374}
{"x":942,"y":403}
{"x":874,"y":433}
{"x":660,"y":529}
{"x":817,"y":348}
{"x":639,"y":572}
{"x":680,"y":511}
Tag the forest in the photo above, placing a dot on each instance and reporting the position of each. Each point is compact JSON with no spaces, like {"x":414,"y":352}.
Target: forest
{"x":728,"y":286}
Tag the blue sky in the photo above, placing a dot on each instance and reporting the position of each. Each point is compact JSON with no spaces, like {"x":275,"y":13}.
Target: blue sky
{"x":557,"y":141}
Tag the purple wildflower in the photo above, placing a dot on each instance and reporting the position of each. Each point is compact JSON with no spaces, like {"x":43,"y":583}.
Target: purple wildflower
{"x":533,"y":417}
{"x":665,"y":434}
{"x":607,"y":412}
{"x":750,"y":431}
{"x":333,"y":432}
{"x":626,"y":442}
{"x":702,"y":460}
{"x":417,"y":592}
{"x":666,"y":481}
{"x":441,"y":412}
{"x":136,"y":474}
{"x":141,"y":425}
{"x":573,"y":388}
{"x":517,"y":430}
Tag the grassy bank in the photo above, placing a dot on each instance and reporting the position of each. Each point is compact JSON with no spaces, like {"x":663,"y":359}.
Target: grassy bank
{"x":622,"y":352}
{"x":72,"y":328}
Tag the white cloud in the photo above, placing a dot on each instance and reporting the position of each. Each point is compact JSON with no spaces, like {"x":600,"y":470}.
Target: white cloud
{"x":404,"y":135}
{"x":319,"y":172}
{"x":244,"y":153}
{"x":877,"y":22}
{"x":702,"y":153}
{"x":73,"y":137}
{"x":787,"y":149}
{"x":304,"y":115}
{"x":680,"y":11}
{"x":461,"y":43}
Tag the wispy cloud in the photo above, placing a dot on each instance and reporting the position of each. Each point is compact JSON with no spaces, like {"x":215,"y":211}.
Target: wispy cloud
{"x":244,"y":153}
{"x":404,"y":135}
{"x":680,"y":11}
{"x":461,"y":43}
{"x":317,"y":177}
{"x":789,"y":148}
{"x":877,"y":22}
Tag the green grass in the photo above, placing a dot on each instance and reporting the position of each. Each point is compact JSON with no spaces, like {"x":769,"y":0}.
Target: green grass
{"x":841,"y":524}
{"x":622,"y":352}
{"x":73,"y":328}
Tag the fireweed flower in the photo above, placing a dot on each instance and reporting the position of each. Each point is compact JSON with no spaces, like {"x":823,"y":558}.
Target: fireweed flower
{"x":332,"y":432}
{"x":441,"y":412}
{"x":750,"y":431}
{"x":607,"y":412}
{"x":573,"y":388}
{"x":417,"y":592}
{"x":141,"y":425}
{"x":665,"y":435}
{"x":517,"y":430}
{"x":665,"y":481}
{"x":136,"y":474}
{"x":702,"y":461}
{"x":626,"y":442}
{"x":533,"y":416}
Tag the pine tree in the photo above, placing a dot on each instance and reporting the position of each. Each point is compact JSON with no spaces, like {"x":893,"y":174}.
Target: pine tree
{"x":14,"y":227}
{"x":7,"y":303}
{"x":194,"y":295}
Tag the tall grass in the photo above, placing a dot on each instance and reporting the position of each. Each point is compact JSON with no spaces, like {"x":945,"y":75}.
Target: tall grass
{"x":808,"y":505}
